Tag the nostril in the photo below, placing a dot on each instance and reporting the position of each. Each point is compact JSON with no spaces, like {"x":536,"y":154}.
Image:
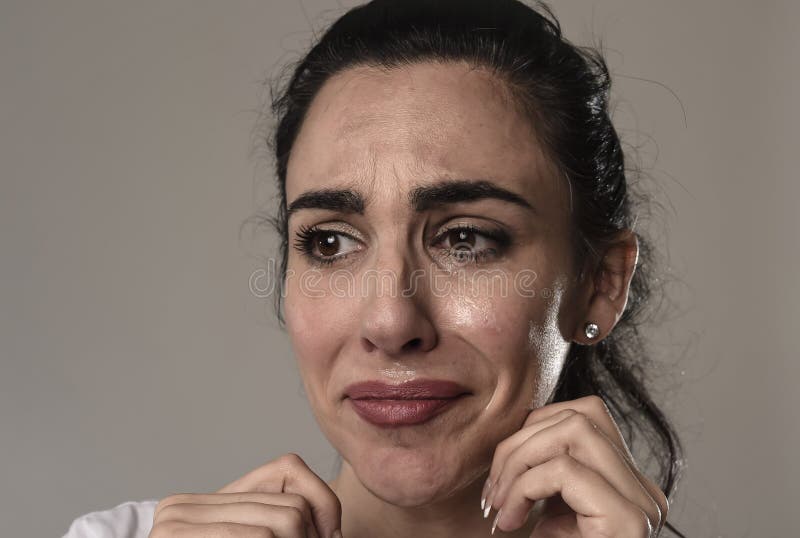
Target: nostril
{"x":412,"y":344}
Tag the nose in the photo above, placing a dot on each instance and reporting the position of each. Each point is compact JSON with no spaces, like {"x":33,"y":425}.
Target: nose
{"x":395,"y":318}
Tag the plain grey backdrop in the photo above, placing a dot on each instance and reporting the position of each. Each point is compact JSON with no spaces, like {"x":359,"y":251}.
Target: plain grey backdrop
{"x":136,"y":362}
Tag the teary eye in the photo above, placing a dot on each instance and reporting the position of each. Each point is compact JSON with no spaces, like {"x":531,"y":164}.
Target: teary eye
{"x":471,"y":244}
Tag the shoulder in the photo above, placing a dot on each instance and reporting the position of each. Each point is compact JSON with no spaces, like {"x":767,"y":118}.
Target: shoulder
{"x":131,"y":519}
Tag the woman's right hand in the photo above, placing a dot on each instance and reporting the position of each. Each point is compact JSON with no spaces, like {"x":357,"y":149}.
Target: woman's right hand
{"x":281,"y":499}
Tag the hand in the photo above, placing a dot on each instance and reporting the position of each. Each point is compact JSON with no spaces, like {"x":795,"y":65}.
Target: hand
{"x":573,"y":455}
{"x":280,"y":499}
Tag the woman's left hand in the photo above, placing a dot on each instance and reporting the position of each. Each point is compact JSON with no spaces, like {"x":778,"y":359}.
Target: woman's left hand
{"x":573,"y":449}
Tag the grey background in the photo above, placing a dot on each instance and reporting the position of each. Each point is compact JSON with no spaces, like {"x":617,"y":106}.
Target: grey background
{"x":136,"y":362}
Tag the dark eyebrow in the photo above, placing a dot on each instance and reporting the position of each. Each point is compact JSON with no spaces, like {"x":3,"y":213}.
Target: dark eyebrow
{"x":455,"y":191}
{"x":421,"y":198}
{"x":344,"y":200}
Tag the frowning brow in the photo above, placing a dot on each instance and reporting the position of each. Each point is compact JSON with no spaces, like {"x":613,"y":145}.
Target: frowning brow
{"x":427,"y":197}
{"x":421,"y":198}
{"x":343,"y":200}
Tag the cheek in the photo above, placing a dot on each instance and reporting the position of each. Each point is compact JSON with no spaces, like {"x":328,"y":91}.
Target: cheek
{"x":546,"y":341}
{"x":519,"y":337}
{"x":476,"y":314}
{"x":493,"y":326}
{"x":317,"y":328}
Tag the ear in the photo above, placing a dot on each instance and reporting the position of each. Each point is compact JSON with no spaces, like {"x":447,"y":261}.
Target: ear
{"x":607,"y":292}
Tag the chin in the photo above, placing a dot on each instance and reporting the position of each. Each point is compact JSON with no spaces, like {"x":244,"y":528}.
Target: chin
{"x":408,"y":476}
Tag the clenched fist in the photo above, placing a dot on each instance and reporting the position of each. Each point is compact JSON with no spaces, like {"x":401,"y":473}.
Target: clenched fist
{"x":280,"y":499}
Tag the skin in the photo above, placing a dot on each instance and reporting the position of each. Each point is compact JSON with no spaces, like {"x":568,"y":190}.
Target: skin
{"x":381,"y":134}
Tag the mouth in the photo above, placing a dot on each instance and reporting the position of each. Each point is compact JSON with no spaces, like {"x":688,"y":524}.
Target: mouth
{"x":411,"y":403}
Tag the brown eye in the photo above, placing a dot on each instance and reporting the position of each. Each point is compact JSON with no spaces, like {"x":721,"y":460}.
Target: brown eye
{"x":328,"y":244}
{"x":470,"y":244}
{"x":325,"y":247}
{"x":461,"y":239}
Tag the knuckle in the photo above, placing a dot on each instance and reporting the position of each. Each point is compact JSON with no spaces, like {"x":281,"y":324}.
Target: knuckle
{"x":291,"y":460}
{"x":596,"y":402}
{"x":170,"y":512}
{"x":581,"y":424}
{"x":510,"y":462}
{"x":166,"y":502}
{"x":569,"y":412}
{"x":535,"y":415}
{"x":579,"y":418}
{"x":563,"y":464}
{"x":499,"y":462}
{"x":502,"y":448}
{"x":300,"y":503}
{"x":256,"y":507}
{"x":294,"y":518}
{"x":500,"y":453}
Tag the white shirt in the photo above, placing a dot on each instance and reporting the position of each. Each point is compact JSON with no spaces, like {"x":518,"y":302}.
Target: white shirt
{"x":131,"y":519}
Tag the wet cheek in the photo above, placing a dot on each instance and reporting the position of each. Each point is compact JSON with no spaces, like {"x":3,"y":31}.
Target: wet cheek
{"x":473,"y":313}
{"x":549,"y":346}
{"x":517,"y":336}
{"x":489,"y":324}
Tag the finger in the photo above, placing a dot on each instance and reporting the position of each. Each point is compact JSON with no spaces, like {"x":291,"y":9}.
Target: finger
{"x":595,"y":408}
{"x":599,"y":508}
{"x":511,"y":443}
{"x":284,"y":521}
{"x":290,"y":474}
{"x":577,"y":436}
{"x":203,"y":513}
{"x":280,"y":499}
{"x":592,"y":406}
{"x":180,"y":529}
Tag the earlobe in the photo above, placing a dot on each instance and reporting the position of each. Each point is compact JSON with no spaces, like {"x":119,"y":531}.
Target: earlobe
{"x":591,"y":330}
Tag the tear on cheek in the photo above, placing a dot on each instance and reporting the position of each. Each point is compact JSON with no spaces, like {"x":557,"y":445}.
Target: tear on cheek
{"x":550,"y":349}
{"x":470,"y":313}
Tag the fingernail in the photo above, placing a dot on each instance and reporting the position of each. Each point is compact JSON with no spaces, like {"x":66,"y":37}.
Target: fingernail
{"x":484,"y":491}
{"x":489,"y":500}
{"x":337,"y":534}
{"x":496,"y":518}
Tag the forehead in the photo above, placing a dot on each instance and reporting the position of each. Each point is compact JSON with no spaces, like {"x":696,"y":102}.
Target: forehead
{"x":409,"y":125}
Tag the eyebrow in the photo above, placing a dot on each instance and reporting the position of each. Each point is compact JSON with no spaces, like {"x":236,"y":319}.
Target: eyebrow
{"x":422,"y":198}
{"x":433,"y":196}
{"x":344,"y":200}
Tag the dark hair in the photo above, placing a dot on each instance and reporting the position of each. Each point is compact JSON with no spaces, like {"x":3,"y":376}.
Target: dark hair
{"x":564,"y":90}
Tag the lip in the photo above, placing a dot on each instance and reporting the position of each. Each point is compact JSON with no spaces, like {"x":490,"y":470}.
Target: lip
{"x":405,"y":404}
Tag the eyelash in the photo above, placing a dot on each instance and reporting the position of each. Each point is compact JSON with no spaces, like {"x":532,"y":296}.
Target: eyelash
{"x":305,"y":242}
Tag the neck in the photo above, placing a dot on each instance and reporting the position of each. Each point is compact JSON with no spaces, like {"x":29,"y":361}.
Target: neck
{"x":364,"y":515}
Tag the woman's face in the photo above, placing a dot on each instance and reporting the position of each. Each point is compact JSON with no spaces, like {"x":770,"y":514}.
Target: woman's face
{"x":418,"y":163}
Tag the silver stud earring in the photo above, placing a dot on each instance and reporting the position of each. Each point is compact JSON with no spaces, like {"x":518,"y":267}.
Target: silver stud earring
{"x":591,"y":330}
